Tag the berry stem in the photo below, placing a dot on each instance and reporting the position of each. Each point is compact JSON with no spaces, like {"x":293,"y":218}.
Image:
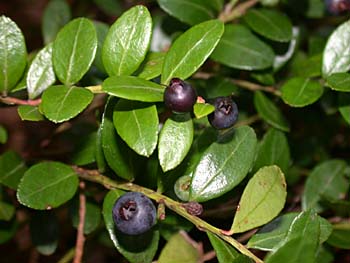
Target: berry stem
{"x":95,"y":176}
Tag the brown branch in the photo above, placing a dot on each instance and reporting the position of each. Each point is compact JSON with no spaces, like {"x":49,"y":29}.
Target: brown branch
{"x":233,"y":12}
{"x":79,"y":246}
{"x":15,"y":101}
{"x":255,"y":87}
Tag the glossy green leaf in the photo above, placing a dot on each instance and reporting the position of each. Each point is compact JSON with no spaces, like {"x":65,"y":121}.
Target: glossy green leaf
{"x":225,"y":252}
{"x":6,"y":211}
{"x":301,"y":242}
{"x":137,"y":124}
{"x":309,"y":67}
{"x":99,"y":155}
{"x":344,"y":106}
{"x":136,"y":249}
{"x":84,"y":152}
{"x":336,"y":56}
{"x":74,"y":50}
{"x":92,"y":216}
{"x":12,"y":168}
{"x":326,"y":179}
{"x":3,"y":135}
{"x":47,"y":185}
{"x":300,"y":92}
{"x":61,"y":103}
{"x":29,"y":113}
{"x":273,"y":149}
{"x":189,"y":11}
{"x":127,"y":42}
{"x":270,"y":24}
{"x":153,"y":65}
{"x":240,"y":49}
{"x":339,"y":82}
{"x":224,"y":165}
{"x":101,"y":32}
{"x":115,"y":151}
{"x":13,"y":54}
{"x":201,"y":110}
{"x":133,"y":88}
{"x":340,"y":236}
{"x":262,"y":200}
{"x":56,"y":15}
{"x":175,"y":141}
{"x":190,"y":50}
{"x":40,"y":74}
{"x":269,"y":112}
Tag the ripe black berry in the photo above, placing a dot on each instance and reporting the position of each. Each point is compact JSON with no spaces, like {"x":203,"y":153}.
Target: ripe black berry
{"x":225,"y":114}
{"x":134,"y":213}
{"x":179,"y":96}
{"x":336,"y":7}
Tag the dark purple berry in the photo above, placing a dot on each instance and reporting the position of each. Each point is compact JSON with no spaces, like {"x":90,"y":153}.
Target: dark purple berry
{"x":225,"y":114}
{"x":134,"y":213}
{"x":336,"y":7}
{"x":179,"y":96}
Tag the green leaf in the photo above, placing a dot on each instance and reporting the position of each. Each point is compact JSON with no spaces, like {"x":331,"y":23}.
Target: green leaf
{"x":179,"y":249}
{"x":84,"y":152}
{"x":326,"y":179}
{"x":99,"y":155}
{"x":340,"y":236}
{"x":225,"y":252}
{"x":270,"y":24}
{"x":3,"y":135}
{"x":201,"y":110}
{"x":273,"y":149}
{"x":133,"y":88}
{"x":13,"y":54}
{"x":344,"y":106}
{"x":172,"y":224}
{"x":40,"y":74}
{"x":301,"y":242}
{"x":92,"y":216}
{"x":262,"y":200}
{"x":175,"y":141}
{"x":152,"y":67}
{"x":127,"y":41}
{"x":339,"y":82}
{"x":29,"y":113}
{"x":336,"y":55}
{"x":300,"y":92}
{"x":61,"y":103}
{"x":224,"y":165}
{"x":189,"y":11}
{"x":240,"y":49}
{"x":56,"y":15}
{"x":6,"y":211}
{"x":12,"y":168}
{"x":110,"y":7}
{"x":137,"y":124}
{"x":115,"y":150}
{"x":309,"y":67}
{"x":8,"y":230}
{"x":269,"y":112}
{"x":101,"y":32}
{"x":74,"y":50}
{"x":190,"y":50}
{"x":47,"y":185}
{"x":44,"y":231}
{"x":136,"y":249}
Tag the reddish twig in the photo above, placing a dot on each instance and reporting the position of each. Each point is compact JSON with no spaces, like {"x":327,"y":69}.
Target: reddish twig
{"x":79,"y":246}
{"x":15,"y":101}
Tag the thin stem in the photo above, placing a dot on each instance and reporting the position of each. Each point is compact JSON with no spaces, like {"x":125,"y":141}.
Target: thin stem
{"x":255,"y":87}
{"x":95,"y":176}
{"x":95,"y":89}
{"x":15,"y":101}
{"x":79,"y":247}
{"x":68,"y":256}
{"x":231,"y":13}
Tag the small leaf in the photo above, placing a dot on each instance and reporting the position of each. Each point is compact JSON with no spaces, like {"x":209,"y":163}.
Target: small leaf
{"x":29,"y":113}
{"x":74,"y":50}
{"x":326,"y":179}
{"x":340,"y":236}
{"x":127,"y":42}
{"x":61,"y":103}
{"x":40,"y":74}
{"x":136,"y":249}
{"x":152,"y":67}
{"x":269,"y":112}
{"x":13,"y":54}
{"x":336,"y":55}
{"x":99,"y":155}
{"x":110,"y":7}
{"x":6,"y":211}
{"x":339,"y":82}
{"x":12,"y":168}
{"x":262,"y":200}
{"x":300,"y":92}
{"x":270,"y":24}
{"x":133,"y":88}
{"x":344,"y":106}
{"x":223,"y":165}
{"x":201,"y":110}
{"x":175,"y":141}
{"x":101,"y":32}
{"x":92,"y":216}
{"x":191,"y":49}
{"x":84,"y":152}
{"x":240,"y":49}
{"x":3,"y":135}
{"x":47,"y":185}
{"x":137,"y":125}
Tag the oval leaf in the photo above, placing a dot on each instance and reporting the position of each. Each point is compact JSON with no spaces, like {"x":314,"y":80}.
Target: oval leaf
{"x":300,"y":92}
{"x":101,"y":32}
{"x":175,"y":141}
{"x":191,"y":49}
{"x":74,"y":50}
{"x":29,"y":113}
{"x":344,"y":106}
{"x":47,"y":185}
{"x":6,"y":211}
{"x":3,"y":135}
{"x":133,"y":88}
{"x":269,"y":112}
{"x":239,"y":48}
{"x":127,"y":42}
{"x":12,"y":168}
{"x":223,"y":165}
{"x":13,"y":54}
{"x":339,"y":82}
{"x":61,"y":103}
{"x":92,"y":216}
{"x":40,"y":74}
{"x":201,"y":110}
{"x":152,"y":66}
